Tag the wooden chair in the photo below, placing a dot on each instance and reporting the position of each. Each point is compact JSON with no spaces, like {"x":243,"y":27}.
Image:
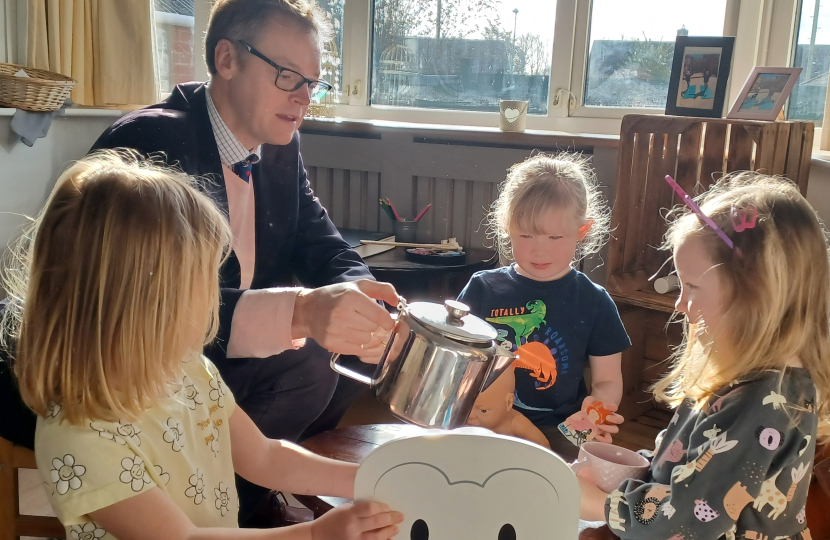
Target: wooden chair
{"x":13,"y":525}
{"x":696,"y":152}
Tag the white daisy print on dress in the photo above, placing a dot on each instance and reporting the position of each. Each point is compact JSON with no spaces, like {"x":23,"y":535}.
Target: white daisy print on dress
{"x":217,"y":392}
{"x":191,"y":395}
{"x":86,"y":531}
{"x":134,"y":473}
{"x":163,"y":476}
{"x":66,"y":474}
{"x":223,"y":499}
{"x":107,"y":434}
{"x":197,"y":488}
{"x":129,"y":431}
{"x":174,"y":434}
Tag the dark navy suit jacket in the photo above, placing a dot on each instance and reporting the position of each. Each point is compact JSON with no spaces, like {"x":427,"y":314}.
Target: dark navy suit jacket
{"x":294,"y":235}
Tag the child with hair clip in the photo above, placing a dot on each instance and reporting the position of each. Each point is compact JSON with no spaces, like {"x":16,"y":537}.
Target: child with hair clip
{"x":115,"y":294}
{"x":548,"y":215}
{"x":751,"y":381}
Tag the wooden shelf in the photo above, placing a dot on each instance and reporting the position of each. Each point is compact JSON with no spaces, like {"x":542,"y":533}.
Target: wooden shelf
{"x":646,"y":299}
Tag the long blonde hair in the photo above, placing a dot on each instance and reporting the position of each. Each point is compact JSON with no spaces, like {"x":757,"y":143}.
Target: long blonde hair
{"x":777,"y":303}
{"x":544,"y":181}
{"x":108,"y":283}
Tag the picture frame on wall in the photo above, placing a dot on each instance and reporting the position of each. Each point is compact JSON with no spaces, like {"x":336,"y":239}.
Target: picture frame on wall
{"x":699,"y":76}
{"x":764,"y":93}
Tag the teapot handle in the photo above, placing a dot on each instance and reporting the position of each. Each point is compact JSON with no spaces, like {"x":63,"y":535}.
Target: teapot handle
{"x":359,"y":377}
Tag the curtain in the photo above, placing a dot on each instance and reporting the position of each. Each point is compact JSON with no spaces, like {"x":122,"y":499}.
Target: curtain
{"x":105,"y":45}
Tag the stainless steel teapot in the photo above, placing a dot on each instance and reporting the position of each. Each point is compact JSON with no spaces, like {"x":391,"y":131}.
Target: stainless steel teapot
{"x":438,"y":359}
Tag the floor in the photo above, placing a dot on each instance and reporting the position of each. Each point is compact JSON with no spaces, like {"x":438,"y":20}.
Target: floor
{"x":634,"y":434}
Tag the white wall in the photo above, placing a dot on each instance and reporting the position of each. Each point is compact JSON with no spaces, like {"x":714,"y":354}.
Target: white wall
{"x":28,"y":174}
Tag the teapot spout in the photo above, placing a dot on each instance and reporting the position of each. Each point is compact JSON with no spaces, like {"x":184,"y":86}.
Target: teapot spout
{"x":503,"y":360}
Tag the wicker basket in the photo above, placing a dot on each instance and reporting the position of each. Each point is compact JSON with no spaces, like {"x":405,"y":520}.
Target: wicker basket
{"x":41,"y":91}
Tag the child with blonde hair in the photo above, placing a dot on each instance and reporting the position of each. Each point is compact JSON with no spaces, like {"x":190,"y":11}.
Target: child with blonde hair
{"x":548,"y":215}
{"x":137,"y":435}
{"x":751,"y":380}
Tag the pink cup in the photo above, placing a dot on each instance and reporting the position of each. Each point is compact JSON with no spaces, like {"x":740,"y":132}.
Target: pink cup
{"x":611,"y":464}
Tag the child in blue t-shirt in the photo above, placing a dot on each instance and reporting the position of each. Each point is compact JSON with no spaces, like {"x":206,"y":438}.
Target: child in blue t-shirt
{"x":549,"y":214}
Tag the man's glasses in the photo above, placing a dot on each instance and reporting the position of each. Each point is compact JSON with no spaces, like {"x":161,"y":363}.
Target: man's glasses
{"x":289,"y":80}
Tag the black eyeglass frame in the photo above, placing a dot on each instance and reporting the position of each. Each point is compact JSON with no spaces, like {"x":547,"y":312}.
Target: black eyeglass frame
{"x":313,"y":84}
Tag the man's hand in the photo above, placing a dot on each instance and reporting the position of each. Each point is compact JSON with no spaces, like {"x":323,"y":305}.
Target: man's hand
{"x":344,"y":317}
{"x":373,"y":351}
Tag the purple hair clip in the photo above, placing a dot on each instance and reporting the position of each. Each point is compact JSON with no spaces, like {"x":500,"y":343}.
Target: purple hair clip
{"x":706,"y":219}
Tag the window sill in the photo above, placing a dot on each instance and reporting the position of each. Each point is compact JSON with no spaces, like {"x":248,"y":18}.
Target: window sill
{"x":73,"y":112}
{"x":487,"y":135}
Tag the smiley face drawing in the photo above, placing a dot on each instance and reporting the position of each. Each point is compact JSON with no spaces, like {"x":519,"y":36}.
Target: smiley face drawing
{"x":470,"y":483}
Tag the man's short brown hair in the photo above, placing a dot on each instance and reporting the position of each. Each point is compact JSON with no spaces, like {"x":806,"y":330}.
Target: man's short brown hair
{"x":243,"y":19}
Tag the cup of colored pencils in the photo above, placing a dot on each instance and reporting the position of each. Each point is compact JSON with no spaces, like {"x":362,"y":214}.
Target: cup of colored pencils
{"x":405,"y":231}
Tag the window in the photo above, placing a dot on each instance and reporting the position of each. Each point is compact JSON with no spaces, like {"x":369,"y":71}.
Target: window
{"x":174,"y":43}
{"x":462,"y":54}
{"x":632,"y":48}
{"x":812,"y":53}
{"x":332,"y":61}
{"x":451,"y":61}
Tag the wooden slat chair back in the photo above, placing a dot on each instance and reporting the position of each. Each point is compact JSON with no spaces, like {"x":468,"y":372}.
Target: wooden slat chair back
{"x":696,"y":152}
{"x":12,"y":524}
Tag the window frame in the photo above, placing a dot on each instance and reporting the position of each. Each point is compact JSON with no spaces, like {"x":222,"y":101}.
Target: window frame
{"x":765,"y":34}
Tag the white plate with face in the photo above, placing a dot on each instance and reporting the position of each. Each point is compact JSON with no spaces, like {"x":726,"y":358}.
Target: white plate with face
{"x":472,"y":484}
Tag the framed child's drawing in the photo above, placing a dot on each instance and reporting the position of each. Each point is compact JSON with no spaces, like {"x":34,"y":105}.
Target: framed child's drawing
{"x":699,"y":76}
{"x":764,"y":93}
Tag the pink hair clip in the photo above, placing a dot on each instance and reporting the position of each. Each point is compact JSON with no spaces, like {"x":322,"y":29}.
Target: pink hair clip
{"x":706,"y":219}
{"x":739,"y":218}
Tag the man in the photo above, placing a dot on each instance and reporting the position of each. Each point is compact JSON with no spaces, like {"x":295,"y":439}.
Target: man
{"x":239,"y":133}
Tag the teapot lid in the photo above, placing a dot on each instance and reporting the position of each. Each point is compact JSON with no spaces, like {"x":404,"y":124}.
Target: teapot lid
{"x":453,"y":320}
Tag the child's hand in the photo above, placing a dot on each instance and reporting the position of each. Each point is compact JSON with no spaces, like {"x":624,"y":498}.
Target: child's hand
{"x":362,"y":520}
{"x":609,"y":427}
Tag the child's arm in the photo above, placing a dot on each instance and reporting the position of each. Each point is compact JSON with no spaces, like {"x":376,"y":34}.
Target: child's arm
{"x":606,"y":378}
{"x":153,"y":514}
{"x":607,"y":387}
{"x":284,"y":466}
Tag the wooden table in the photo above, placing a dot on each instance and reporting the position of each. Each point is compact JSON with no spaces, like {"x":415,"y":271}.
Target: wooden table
{"x":417,"y":281}
{"x":354,"y":443}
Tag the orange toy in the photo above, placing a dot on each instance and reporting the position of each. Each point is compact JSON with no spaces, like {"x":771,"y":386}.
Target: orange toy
{"x":597,"y":413}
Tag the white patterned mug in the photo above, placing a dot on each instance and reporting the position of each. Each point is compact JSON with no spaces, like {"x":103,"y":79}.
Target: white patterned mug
{"x":610,"y":464}
{"x":512,"y":115}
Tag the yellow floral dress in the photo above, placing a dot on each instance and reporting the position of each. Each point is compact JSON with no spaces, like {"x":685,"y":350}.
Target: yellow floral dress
{"x":182,"y":446}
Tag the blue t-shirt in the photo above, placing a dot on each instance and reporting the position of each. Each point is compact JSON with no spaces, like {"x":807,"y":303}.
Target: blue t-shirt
{"x":555,"y":326}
